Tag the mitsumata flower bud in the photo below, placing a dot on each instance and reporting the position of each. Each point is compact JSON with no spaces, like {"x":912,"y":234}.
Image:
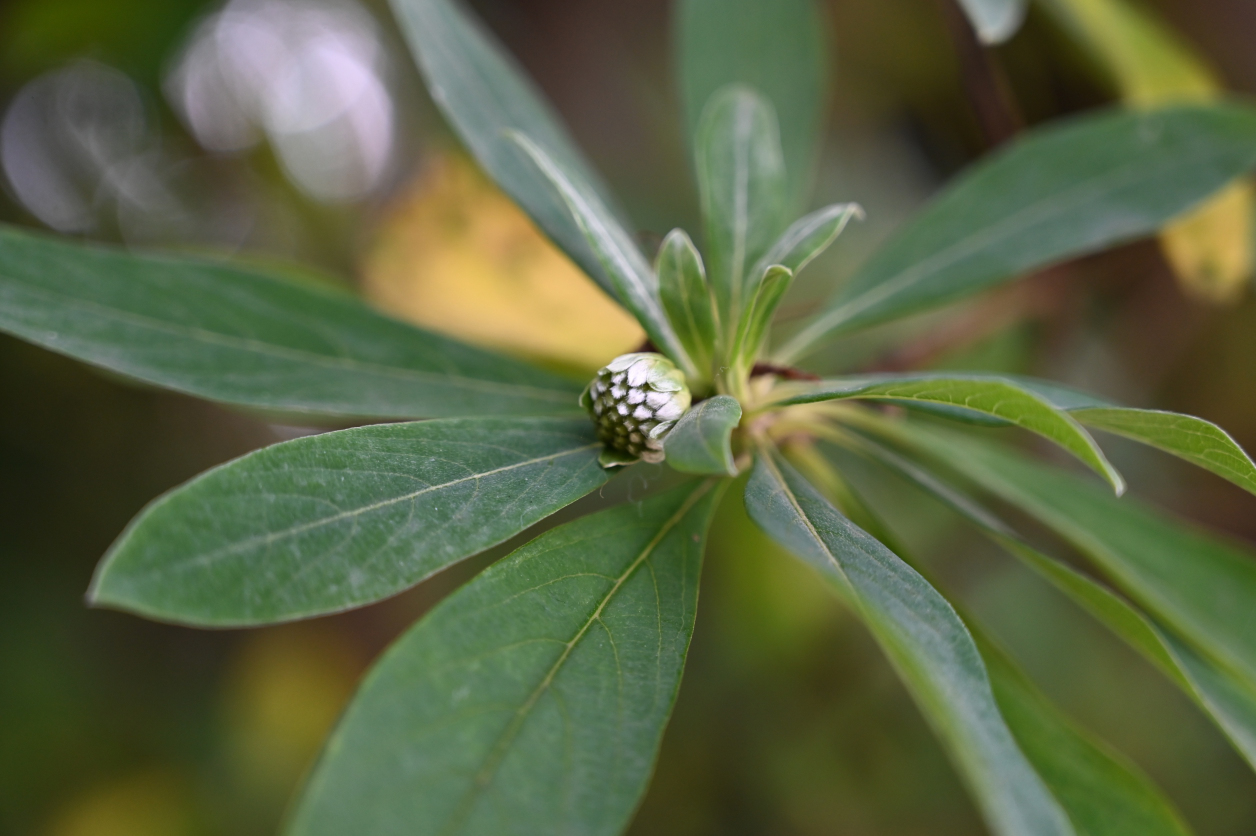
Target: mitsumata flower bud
{"x":634,"y":401}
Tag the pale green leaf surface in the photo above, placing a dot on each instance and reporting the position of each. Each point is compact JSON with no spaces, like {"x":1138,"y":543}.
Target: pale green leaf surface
{"x":700,"y":441}
{"x":1064,"y":190}
{"x":756,"y":319}
{"x":808,"y":237}
{"x":779,"y":48}
{"x":999,"y":397}
{"x":1230,"y":704}
{"x":923,"y":636}
{"x":686,"y":297}
{"x":217,"y":331}
{"x":530,"y":702}
{"x":995,"y":20}
{"x":636,"y":284}
{"x":741,"y":183}
{"x":337,"y":520}
{"x":484,"y":94}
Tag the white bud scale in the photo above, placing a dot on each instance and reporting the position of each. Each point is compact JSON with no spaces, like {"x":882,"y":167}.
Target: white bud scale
{"x":634,"y":401}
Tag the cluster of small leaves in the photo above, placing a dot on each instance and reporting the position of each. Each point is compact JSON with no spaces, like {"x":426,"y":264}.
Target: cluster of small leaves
{"x":532,"y":700}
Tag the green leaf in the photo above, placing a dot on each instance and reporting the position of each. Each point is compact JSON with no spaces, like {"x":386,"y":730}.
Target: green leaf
{"x":741,"y":181}
{"x":484,"y":94}
{"x":1230,"y":703}
{"x":635,"y":283}
{"x":995,"y":20}
{"x":333,"y":521}
{"x":532,"y":700}
{"x":777,"y":47}
{"x":1104,"y":794}
{"x":700,"y":441}
{"x":1197,"y":441}
{"x":686,"y":297}
{"x":989,"y":395}
{"x":226,"y":333}
{"x":809,"y":236}
{"x":1199,"y":585}
{"x":757,"y":317}
{"x":924,"y":638}
{"x":1065,"y":190}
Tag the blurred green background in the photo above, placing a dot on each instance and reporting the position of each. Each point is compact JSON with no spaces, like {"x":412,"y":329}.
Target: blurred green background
{"x":296,"y":132}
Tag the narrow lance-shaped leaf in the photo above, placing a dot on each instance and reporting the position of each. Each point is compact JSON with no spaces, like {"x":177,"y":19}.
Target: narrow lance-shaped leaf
{"x":530,"y":702}
{"x":687,"y":299}
{"x":741,"y":182}
{"x":484,"y":93}
{"x":923,"y":636}
{"x":333,"y":521}
{"x":242,"y":336}
{"x":809,"y":236}
{"x":1230,"y":703}
{"x":634,"y":281}
{"x":1197,"y":441}
{"x":1001,"y":398}
{"x":1199,"y":585}
{"x":757,"y":317}
{"x":995,"y":20}
{"x":778,"y":47}
{"x":1057,"y":192}
{"x":700,"y":441}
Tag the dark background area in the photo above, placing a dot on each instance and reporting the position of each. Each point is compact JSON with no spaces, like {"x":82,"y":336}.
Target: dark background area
{"x":789,"y":722}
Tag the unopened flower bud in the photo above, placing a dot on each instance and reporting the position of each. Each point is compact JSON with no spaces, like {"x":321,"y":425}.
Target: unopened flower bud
{"x":634,"y":401}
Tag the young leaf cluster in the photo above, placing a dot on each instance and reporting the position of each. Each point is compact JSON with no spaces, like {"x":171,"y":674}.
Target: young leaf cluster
{"x":533,"y":699}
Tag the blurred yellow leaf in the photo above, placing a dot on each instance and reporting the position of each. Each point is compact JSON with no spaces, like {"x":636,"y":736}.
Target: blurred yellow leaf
{"x":145,"y":804}
{"x":1210,"y":249}
{"x":282,"y":692}
{"x":457,"y":256}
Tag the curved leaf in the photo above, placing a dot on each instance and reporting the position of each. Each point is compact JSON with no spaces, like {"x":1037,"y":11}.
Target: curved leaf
{"x":741,"y":181}
{"x":809,"y":236}
{"x":334,"y":521}
{"x":484,"y":94}
{"x":699,"y":443}
{"x":687,"y":299}
{"x":777,"y":47}
{"x":1002,"y":398}
{"x":922,"y":635}
{"x":532,"y":700}
{"x":1061,"y":191}
{"x":231,"y":334}
{"x":635,"y":284}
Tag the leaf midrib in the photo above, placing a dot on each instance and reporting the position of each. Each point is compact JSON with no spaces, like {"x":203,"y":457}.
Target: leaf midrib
{"x":257,"y":346}
{"x":500,"y":748}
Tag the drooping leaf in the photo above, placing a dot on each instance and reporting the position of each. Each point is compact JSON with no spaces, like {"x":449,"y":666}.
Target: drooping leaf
{"x":1197,"y":441}
{"x":741,"y":182}
{"x":635,"y":283}
{"x":1230,"y":703}
{"x":1061,"y":191}
{"x":699,"y":443}
{"x":777,"y":47}
{"x":1199,"y":585}
{"x":484,"y":94}
{"x":1000,"y":397}
{"x":686,"y":297}
{"x":923,"y":636}
{"x":809,"y":236}
{"x":995,"y":20}
{"x":230,"y":334}
{"x":1104,"y":794}
{"x":532,"y":700}
{"x":333,"y":521}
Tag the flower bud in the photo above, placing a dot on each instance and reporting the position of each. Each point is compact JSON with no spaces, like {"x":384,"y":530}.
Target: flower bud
{"x":634,"y":401}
